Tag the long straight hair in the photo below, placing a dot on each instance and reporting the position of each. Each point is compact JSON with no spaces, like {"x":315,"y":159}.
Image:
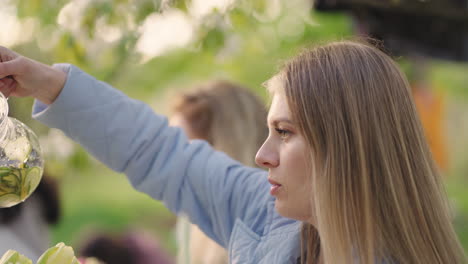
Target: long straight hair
{"x":377,"y":193}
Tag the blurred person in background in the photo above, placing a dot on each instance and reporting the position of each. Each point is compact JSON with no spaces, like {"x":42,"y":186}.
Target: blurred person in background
{"x":25,"y":227}
{"x":232,"y":120}
{"x":134,"y":247}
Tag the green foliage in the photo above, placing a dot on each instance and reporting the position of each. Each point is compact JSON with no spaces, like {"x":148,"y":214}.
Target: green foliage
{"x":451,"y":78}
{"x":180,"y":4}
{"x":45,"y":10}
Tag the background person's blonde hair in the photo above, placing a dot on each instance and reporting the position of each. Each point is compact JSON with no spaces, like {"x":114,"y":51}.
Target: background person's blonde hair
{"x":230,"y":117}
{"x":233,"y":120}
{"x":376,"y":190}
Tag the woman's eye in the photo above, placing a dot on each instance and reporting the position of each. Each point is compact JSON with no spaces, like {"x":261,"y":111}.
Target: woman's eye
{"x":283,"y":133}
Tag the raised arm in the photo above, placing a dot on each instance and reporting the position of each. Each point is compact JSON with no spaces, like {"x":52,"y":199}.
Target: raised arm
{"x":129,"y":137}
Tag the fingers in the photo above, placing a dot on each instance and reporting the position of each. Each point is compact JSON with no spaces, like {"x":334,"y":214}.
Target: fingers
{"x":6,"y":54}
{"x":7,"y":86}
{"x":9,"y":68}
{"x":8,"y":62}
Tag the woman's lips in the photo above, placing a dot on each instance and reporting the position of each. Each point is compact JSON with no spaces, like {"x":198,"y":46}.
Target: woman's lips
{"x":275,"y":187}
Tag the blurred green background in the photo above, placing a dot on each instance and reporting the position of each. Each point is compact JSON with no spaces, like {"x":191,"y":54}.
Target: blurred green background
{"x":149,"y":49}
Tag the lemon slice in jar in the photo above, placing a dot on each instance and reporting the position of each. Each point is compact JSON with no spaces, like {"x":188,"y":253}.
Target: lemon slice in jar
{"x":17,"y":184}
{"x":9,"y":187}
{"x":18,"y":149}
{"x":9,"y":199}
{"x":31,"y":181}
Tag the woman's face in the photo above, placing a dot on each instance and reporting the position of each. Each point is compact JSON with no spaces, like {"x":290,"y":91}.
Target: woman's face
{"x":284,"y":154}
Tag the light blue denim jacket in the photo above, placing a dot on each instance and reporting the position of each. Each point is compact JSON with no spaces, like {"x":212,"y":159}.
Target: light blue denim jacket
{"x":230,"y":202}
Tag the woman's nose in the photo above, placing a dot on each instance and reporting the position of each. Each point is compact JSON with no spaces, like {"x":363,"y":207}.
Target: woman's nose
{"x":266,"y":156}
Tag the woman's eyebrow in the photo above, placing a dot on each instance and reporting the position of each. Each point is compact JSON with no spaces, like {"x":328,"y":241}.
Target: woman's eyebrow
{"x":276,"y":121}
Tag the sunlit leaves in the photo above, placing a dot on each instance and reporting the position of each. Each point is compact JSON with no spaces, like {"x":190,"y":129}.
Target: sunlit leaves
{"x":45,"y":10}
{"x":179,"y":4}
{"x":70,"y":50}
{"x":240,"y":19}
{"x":94,"y":19}
{"x":93,"y":12}
{"x":144,"y":8}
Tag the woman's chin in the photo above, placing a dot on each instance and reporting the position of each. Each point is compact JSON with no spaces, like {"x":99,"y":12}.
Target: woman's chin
{"x":284,"y":210}
{"x":289,"y":211}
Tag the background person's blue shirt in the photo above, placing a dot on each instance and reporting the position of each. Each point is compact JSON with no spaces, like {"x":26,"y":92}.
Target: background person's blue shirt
{"x":228,"y":201}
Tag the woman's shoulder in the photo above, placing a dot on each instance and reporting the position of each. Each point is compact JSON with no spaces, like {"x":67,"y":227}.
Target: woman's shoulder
{"x":277,"y":241}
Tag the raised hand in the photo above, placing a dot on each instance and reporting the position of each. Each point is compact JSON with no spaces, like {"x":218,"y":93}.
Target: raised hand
{"x":21,"y":76}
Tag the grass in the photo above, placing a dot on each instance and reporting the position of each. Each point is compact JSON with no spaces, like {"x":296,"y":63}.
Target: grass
{"x":103,"y":201}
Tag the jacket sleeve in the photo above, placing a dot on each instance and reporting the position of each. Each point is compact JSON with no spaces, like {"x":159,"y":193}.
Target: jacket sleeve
{"x":127,"y":136}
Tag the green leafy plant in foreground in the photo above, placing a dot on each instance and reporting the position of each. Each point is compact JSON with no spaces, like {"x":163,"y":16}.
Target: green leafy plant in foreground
{"x":59,"y":254}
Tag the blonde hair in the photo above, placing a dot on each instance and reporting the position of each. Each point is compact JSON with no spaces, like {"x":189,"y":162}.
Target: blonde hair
{"x":228,"y":116}
{"x":377,"y":193}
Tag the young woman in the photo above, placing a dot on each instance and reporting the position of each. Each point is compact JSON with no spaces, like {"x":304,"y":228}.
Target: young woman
{"x":346,"y":156}
{"x":218,"y":112}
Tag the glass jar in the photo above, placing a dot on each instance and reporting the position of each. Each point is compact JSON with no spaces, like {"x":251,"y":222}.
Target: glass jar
{"x":21,"y":162}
